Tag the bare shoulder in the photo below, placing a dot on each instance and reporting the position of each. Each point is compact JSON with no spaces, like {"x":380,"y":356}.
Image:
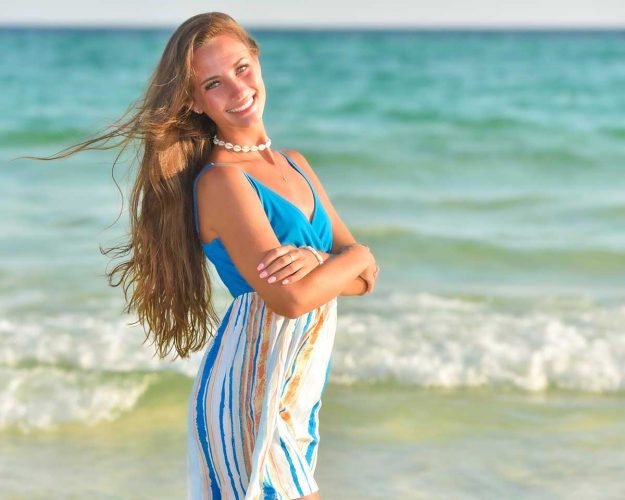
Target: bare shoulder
{"x":217,"y":190}
{"x":218,"y":184}
{"x":301,"y":162}
{"x":309,"y":171}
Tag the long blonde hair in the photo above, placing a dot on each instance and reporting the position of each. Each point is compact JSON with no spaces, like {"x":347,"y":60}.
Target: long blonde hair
{"x":164,"y":273}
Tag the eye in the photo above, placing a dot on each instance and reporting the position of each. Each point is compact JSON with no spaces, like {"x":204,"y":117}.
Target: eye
{"x":210,"y":85}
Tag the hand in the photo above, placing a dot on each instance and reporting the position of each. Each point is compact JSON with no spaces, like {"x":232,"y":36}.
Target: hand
{"x":370,"y":275}
{"x":278,"y":266}
{"x":359,"y":247}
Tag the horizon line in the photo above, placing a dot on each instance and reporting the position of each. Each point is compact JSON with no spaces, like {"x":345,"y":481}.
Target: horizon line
{"x":334,"y":27}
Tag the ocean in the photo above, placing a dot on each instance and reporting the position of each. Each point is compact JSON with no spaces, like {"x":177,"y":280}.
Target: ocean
{"x":483,"y":169}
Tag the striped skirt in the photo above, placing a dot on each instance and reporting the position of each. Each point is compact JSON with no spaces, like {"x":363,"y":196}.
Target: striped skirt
{"x":253,"y":424}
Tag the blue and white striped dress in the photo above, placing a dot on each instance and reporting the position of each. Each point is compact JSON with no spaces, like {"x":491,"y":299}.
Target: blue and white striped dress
{"x":253,"y":423}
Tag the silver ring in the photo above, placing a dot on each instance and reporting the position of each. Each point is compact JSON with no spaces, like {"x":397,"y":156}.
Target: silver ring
{"x":292,"y":259}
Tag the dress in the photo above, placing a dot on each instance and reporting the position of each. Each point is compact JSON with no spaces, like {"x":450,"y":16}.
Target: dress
{"x":253,"y":421}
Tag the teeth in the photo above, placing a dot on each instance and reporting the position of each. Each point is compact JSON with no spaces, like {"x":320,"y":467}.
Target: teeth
{"x":245,"y":106}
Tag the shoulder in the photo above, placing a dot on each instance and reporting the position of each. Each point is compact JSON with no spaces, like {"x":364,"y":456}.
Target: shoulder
{"x":218,"y":186}
{"x":297,"y":157}
{"x":216,"y":178}
{"x":301,"y":161}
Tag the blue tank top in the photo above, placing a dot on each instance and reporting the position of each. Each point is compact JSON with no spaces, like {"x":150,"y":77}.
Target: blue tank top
{"x":289,"y":223}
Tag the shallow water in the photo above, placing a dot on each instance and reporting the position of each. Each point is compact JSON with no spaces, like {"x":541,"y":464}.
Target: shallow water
{"x":484,"y":170}
{"x":380,"y":441}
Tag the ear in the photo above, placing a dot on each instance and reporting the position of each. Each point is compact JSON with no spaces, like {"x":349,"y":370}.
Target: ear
{"x":193,"y":106}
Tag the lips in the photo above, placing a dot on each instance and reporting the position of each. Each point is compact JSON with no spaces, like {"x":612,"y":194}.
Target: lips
{"x":243,"y":105}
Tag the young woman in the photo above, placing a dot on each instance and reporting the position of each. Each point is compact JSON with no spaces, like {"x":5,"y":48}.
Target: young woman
{"x":210,"y":185}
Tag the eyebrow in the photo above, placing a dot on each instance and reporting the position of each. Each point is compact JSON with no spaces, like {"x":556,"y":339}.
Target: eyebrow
{"x":216,"y":76}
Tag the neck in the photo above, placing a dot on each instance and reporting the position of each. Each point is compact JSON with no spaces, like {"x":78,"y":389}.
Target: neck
{"x":247,"y":136}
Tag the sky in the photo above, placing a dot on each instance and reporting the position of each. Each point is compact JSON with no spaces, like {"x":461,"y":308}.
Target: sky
{"x":322,"y":13}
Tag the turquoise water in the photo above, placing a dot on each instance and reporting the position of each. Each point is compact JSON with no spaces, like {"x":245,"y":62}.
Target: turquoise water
{"x":485,"y":171}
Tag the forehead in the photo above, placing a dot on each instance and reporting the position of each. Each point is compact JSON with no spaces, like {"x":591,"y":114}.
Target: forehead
{"x":218,"y":54}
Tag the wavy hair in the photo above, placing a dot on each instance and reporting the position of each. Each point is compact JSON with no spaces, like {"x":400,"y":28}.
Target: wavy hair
{"x":163,"y":270}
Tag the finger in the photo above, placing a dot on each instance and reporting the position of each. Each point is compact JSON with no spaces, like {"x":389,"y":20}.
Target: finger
{"x":273,"y":254}
{"x":296,"y":276}
{"x":279,"y":263}
{"x":269,"y":255}
{"x":273,"y":263}
{"x":284,"y":272}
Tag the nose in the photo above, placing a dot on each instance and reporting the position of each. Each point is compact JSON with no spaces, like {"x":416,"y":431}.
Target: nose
{"x":238,"y":91}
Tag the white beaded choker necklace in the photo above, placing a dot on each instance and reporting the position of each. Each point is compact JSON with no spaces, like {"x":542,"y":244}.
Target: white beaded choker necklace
{"x":244,"y":149}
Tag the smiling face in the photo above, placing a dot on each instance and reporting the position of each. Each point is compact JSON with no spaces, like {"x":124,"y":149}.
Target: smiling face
{"x":228,"y":79}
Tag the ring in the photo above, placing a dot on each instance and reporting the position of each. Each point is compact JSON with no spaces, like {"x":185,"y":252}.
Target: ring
{"x":292,"y":259}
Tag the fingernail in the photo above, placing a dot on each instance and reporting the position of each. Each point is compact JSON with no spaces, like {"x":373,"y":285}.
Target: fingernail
{"x":263,"y":274}
{"x":272,"y":279}
{"x":260,"y":266}
{"x":284,"y":282}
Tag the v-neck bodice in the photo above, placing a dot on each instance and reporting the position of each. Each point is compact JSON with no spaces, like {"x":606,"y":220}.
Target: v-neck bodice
{"x":289,"y":223}
{"x":316,"y":202}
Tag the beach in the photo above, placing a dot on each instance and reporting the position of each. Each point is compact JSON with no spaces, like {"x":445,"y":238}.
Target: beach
{"x":484,"y":171}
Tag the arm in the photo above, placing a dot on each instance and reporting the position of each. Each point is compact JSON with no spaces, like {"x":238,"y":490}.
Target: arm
{"x":357,"y":286}
{"x":341,"y":235}
{"x":229,"y":204}
{"x":329,"y":280}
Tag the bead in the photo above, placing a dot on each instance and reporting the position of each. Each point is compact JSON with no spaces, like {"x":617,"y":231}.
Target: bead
{"x":237,"y":147}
